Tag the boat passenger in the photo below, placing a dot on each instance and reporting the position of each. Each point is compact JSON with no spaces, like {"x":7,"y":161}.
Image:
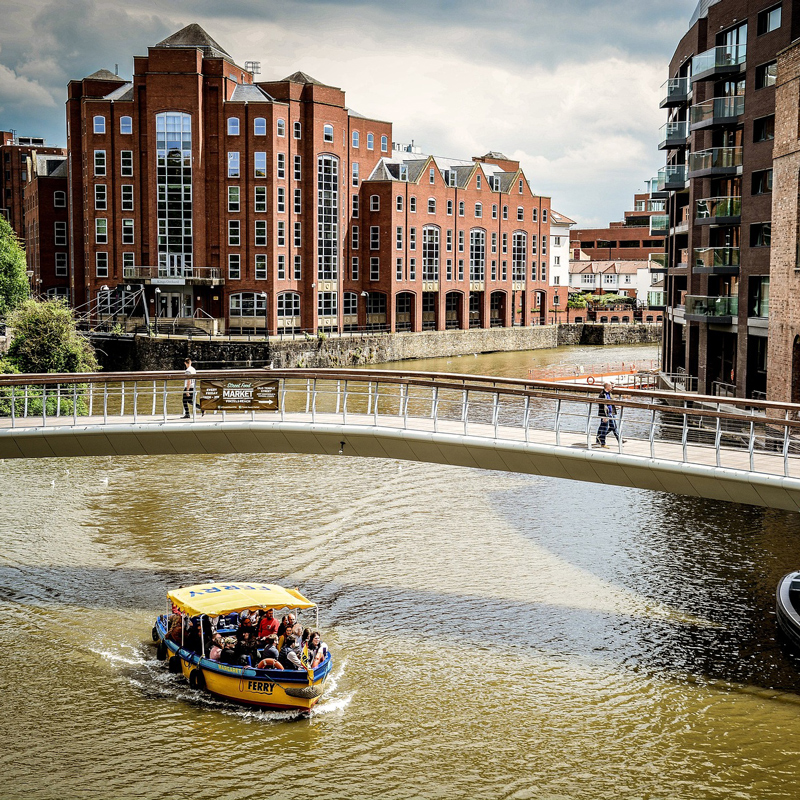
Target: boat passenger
{"x":176,"y":629}
{"x":288,"y":656}
{"x":282,"y":626}
{"x":271,"y":647}
{"x":216,"y":648}
{"x":192,"y":640}
{"x":246,"y":626}
{"x":267,"y":624}
{"x":317,"y":650}
{"x":228,"y":654}
{"x":246,"y":649}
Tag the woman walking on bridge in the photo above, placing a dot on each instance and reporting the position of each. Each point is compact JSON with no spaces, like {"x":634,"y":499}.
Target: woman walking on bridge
{"x":608,"y":417}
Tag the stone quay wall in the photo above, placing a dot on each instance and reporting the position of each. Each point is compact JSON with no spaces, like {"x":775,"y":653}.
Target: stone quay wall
{"x":121,"y":353}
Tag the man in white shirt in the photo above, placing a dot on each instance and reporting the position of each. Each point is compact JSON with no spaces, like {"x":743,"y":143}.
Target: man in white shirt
{"x":188,"y":390}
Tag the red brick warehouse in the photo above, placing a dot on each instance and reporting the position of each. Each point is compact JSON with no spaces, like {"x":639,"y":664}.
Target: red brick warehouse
{"x":240,"y":206}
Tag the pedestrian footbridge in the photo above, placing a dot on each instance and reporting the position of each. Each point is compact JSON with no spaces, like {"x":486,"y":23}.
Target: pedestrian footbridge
{"x":686,"y":444}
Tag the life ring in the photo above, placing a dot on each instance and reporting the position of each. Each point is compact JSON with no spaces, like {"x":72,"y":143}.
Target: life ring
{"x":269,"y":663}
{"x":161,"y":652}
{"x":590,"y":380}
{"x":197,"y":680}
{"x":175,"y":664}
{"x":154,"y":634}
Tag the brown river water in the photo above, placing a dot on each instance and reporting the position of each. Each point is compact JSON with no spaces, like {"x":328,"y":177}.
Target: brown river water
{"x":494,"y":635}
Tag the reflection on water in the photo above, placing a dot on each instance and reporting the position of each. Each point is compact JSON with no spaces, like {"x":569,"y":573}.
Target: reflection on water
{"x":495,"y":635}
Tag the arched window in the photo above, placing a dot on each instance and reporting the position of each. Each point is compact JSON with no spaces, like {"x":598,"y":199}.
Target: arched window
{"x":99,"y":124}
{"x":370,"y":141}
{"x":374,"y":202}
{"x":356,"y":139}
{"x":535,"y":215}
{"x":248,"y":304}
{"x":430,"y":253}
{"x":520,"y":214}
{"x":519,"y":255}
{"x":125,"y":125}
{"x":478,"y":210}
{"x":327,"y":218}
{"x":281,"y":127}
{"x":460,"y":208}
{"x":431,"y":205}
{"x":60,"y":199}
{"x":384,"y":144}
{"x":298,"y":130}
{"x":327,"y":133}
{"x":260,"y":126}
{"x":477,"y":254}
{"x":399,"y":202}
{"x":288,"y":305}
{"x":233,"y":126}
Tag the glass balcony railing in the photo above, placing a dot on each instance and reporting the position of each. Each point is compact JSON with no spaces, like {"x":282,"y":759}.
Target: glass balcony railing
{"x":674,"y":133}
{"x":675,"y":90}
{"x":658,"y":261}
{"x":702,"y":306}
{"x":715,"y":158}
{"x":652,"y":185}
{"x":723,"y":108}
{"x":659,"y":224}
{"x":710,"y":257}
{"x":671,"y":176}
{"x":714,"y":207}
{"x":728,"y":55}
{"x":656,"y":299}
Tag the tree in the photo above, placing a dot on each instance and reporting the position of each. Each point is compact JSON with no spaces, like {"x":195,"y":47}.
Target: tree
{"x":575,"y":301}
{"x":45,"y":339}
{"x":14,"y":288}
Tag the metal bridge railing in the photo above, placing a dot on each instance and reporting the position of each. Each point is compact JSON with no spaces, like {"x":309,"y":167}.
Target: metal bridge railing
{"x":749,"y":435}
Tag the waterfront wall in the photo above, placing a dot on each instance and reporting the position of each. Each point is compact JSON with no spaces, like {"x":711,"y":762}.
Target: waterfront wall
{"x":117,"y":353}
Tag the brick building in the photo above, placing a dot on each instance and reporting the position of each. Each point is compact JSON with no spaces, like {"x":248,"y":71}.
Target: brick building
{"x":241,"y":205}
{"x":782,"y":295}
{"x":720,"y":100}
{"x":47,"y":224}
{"x":14,"y":153}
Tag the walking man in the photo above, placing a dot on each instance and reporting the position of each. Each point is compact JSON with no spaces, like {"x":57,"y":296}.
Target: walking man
{"x":188,"y":390}
{"x":608,"y":417}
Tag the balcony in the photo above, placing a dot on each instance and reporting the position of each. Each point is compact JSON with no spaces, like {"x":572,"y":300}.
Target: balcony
{"x":658,"y":262}
{"x":716,"y":261}
{"x":716,"y":111}
{"x":659,"y":224}
{"x":166,"y":276}
{"x":722,"y":310}
{"x":675,"y":92}
{"x":729,"y":59}
{"x":683,"y":258}
{"x":673,"y":135}
{"x":656,"y":300}
{"x":715,"y":161}
{"x":719,"y":211}
{"x":672,"y":177}
{"x":682,"y":222}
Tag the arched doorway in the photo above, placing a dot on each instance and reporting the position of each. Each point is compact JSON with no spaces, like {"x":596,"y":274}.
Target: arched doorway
{"x":404,"y":312}
{"x":476,"y":310}
{"x":453,"y":310}
{"x":497,"y":309}
{"x":376,"y":311}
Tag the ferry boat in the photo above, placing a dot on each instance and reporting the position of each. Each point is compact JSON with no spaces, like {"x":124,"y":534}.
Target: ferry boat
{"x":296,"y":690}
{"x":787,"y":607}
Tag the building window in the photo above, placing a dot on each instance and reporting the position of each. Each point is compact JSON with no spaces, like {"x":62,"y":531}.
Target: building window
{"x":504,"y":271}
{"x":281,"y":234}
{"x":233,"y":198}
{"x":449,"y":240}
{"x":412,"y":238}
{"x":761,"y":234}
{"x":298,"y":130}
{"x":399,"y":238}
{"x":449,"y":208}
{"x":99,"y":162}
{"x":412,"y":269}
{"x":327,"y":304}
{"x":59,"y":199}
{"x":101,"y":264}
{"x":100,"y":231}
{"x":354,"y":238}
{"x":384,"y":144}
{"x":374,"y":237}
{"x":234,"y":266}
{"x":520,"y":214}
{"x":261,"y":165}
{"x":494,"y":242}
{"x":281,"y":166}
{"x":355,"y":206}
{"x":412,"y":205}
{"x":99,"y":124}
{"x":281,"y":127}
{"x":521,"y":185}
{"x":298,"y":237}
{"x":461,"y":241}
{"x":449,"y":269}
{"x":354,"y":172}
{"x":61,"y":234}
{"x":431,"y":205}
{"x":260,"y":126}
{"x":328,"y":217}
{"x":298,"y":202}
{"x":126,"y":163}
{"x":494,"y":210}
{"x":281,"y":271}
{"x":234,"y":232}
{"x":298,"y":268}
{"x":261,"y":199}
{"x":261,"y":267}
{"x":61,"y":264}
{"x":544,"y":216}
{"x":766,"y":74}
{"x":543,"y":271}
{"x":494,"y":270}
{"x":125,"y":125}
{"x":399,"y":202}
{"x":370,"y":141}
{"x":519,"y":255}
{"x":478,"y":181}
{"x":430,"y":253}
{"x":356,"y":139}
{"x":478,"y":210}
{"x":398,"y":269}
{"x":432,"y":175}
{"x":100,"y":198}
{"x":761,"y":182}
{"x":505,"y":212}
{"x":505,"y":243}
{"x":769,"y":20}
{"x":126,"y":191}
{"x":261,"y":233}
{"x":248,"y":304}
{"x":374,"y":268}
{"x":327,"y":133}
{"x":544,"y":245}
{"x":535,"y":215}
{"x":127,"y":231}
{"x":354,"y":268}
{"x":233,"y":126}
{"x":461,"y":269}
{"x":289,"y":304}
{"x":533,"y":245}
{"x":460,"y":208}
{"x":477,"y":254}
{"x":764,"y":129}
{"x":281,"y":200}
{"x":297,"y":171}
{"x":374,"y":202}
{"x":350,"y":304}
{"x":233,"y":165}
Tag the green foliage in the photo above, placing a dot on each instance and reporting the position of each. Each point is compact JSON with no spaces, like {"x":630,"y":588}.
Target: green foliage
{"x":45,"y":339}
{"x":615,"y":300}
{"x":576,"y":301}
{"x":14,"y":288}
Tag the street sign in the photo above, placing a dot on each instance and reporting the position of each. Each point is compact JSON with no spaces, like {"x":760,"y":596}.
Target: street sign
{"x":239,"y":395}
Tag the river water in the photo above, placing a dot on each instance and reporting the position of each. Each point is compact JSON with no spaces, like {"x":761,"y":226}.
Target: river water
{"x":494,"y":635}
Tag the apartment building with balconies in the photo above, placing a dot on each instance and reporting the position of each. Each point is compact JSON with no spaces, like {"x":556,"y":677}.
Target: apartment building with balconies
{"x":717,"y":183}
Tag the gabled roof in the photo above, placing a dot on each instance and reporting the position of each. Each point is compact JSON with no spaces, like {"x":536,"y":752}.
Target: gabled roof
{"x":124,"y":92}
{"x":561,"y":219}
{"x":302,"y":77}
{"x":415,"y":168}
{"x":248,"y":93}
{"x":602,"y":267}
{"x":383,"y":172}
{"x":495,"y":154}
{"x":194,"y":36}
{"x":102,"y":75}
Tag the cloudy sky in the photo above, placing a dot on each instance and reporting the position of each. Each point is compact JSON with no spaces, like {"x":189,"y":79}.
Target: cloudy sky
{"x":570,"y":88}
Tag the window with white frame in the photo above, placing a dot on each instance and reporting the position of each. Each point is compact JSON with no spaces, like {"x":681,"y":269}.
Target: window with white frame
{"x":534,"y":244}
{"x":281,"y":166}
{"x":234,"y":203}
{"x":374,"y":202}
{"x":127,"y":231}
{"x":100,"y":231}
{"x":99,"y":124}
{"x":234,"y":232}
{"x":449,"y":269}
{"x":298,"y":267}
{"x":556,"y":281}
{"x":543,"y":271}
{"x":449,"y":208}
{"x":260,"y":126}
{"x":461,"y":241}
{"x":399,"y":238}
{"x":544,"y":216}
{"x":519,"y":255}
{"x":412,"y":238}
{"x":398,"y":269}
{"x":234,"y":266}
{"x":354,"y":168}
{"x":261,"y":267}
{"x":556,"y":261}
{"x":298,"y":202}
{"x":126,"y":163}
{"x":281,"y":200}
{"x":297,"y":168}
{"x":100,"y":197}
{"x":281,"y":233}
{"x":370,"y":141}
{"x":384,"y":144}
{"x":461,"y":269}
{"x":126,"y":196}
{"x":520,"y":214}
{"x":327,"y":133}
{"x":494,"y":241}
{"x":99,"y":162}
{"x":494,"y":270}
{"x":281,"y":125}
{"x":494,"y":210}
{"x":535,"y":215}
{"x":556,"y":241}
{"x":432,"y":175}
{"x":544,"y":245}
{"x":260,"y":164}
{"x":460,"y":208}
{"x":248,"y":304}
{"x":350,"y":304}
{"x":354,"y":244}
{"x":504,"y":271}
{"x":449,"y":240}
{"x":587,"y":280}
{"x":289,"y":304}
{"x":327,"y":304}
{"x":59,"y":199}
{"x":478,"y":181}
{"x":430,"y":253}
{"x":298,"y":237}
{"x":477,"y":254}
{"x":354,"y":212}
{"x":356,"y":139}
{"x":505,"y":243}
{"x":61,"y":264}
{"x":60,"y":234}
{"x":125,"y":125}
{"x":399,"y":202}
{"x":431,"y":205}
{"x":478,"y":210}
{"x":354,"y":268}
{"x":412,"y":205}
{"x":412,"y":269}
{"x":233,"y":126}
{"x":101,"y":265}
{"x":374,"y":268}
{"x":505,"y":212}
{"x":328,"y":217}
{"x":233,"y":164}
{"x":260,"y":233}
{"x":281,"y":270}
{"x":374,"y":237}
{"x":298,"y":130}
{"x":261,"y":199}
{"x":521,"y":185}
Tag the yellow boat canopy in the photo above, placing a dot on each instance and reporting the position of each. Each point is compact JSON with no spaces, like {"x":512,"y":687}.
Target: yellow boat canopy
{"x":213,"y":599}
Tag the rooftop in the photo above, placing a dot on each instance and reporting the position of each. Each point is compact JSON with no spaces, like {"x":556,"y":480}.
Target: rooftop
{"x":194,"y":36}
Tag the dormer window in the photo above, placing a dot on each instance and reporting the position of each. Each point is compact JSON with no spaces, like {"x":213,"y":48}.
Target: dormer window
{"x":327,"y":133}
{"x":403,"y":172}
{"x":451,"y":178}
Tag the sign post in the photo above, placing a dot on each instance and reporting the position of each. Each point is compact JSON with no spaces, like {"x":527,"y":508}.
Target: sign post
{"x":245,"y":394}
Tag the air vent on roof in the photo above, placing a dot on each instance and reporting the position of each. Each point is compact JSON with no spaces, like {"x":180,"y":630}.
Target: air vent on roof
{"x":253,"y":67}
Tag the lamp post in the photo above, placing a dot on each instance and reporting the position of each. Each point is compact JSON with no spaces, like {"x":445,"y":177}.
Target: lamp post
{"x":263,"y":296}
{"x":158,"y":306}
